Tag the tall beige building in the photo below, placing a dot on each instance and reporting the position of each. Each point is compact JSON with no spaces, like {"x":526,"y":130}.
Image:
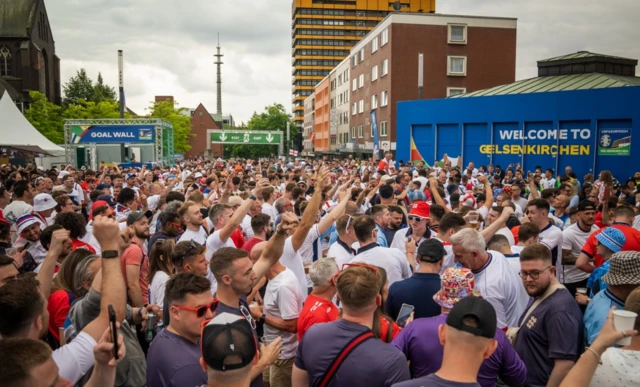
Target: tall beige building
{"x":323,"y":32}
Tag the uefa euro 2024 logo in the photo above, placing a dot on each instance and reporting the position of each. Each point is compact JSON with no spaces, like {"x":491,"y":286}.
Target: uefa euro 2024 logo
{"x":605,"y":141}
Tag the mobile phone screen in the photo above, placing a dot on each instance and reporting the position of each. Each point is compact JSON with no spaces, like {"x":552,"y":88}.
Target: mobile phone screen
{"x":114,"y":331}
{"x":405,"y":312}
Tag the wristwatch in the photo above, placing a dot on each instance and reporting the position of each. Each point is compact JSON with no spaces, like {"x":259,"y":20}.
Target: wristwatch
{"x":106,"y":254}
{"x":261,"y":319}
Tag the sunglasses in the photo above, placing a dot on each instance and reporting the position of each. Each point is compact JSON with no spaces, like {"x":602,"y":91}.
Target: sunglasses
{"x":414,"y":218}
{"x":247,"y":315}
{"x":200,"y":311}
{"x":176,"y":225}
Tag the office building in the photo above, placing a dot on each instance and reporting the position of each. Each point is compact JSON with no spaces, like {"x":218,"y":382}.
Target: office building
{"x":323,"y":32}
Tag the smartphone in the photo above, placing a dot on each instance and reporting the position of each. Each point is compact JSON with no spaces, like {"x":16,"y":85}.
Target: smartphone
{"x":405,"y":312}
{"x":114,"y":331}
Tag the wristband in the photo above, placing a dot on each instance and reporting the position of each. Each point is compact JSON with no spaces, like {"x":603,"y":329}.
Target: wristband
{"x":140,"y":312}
{"x":252,"y":197}
{"x":109,"y":254}
{"x":261,"y":319}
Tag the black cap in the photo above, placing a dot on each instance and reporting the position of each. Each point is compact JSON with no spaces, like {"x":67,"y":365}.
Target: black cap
{"x":108,"y":199}
{"x":134,"y":217}
{"x":481,"y":197}
{"x":228,"y":343}
{"x":100,"y":187}
{"x":586,"y":205}
{"x":431,"y":251}
{"x":480,"y":317}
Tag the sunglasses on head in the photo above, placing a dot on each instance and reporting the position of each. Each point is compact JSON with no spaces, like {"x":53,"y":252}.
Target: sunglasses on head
{"x":346,"y":266}
{"x":200,"y":311}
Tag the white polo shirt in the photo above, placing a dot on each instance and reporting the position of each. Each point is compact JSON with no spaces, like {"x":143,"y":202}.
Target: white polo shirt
{"x":341,"y":253}
{"x":551,"y":236}
{"x":292,"y":260}
{"x":388,"y":258}
{"x":573,"y":238}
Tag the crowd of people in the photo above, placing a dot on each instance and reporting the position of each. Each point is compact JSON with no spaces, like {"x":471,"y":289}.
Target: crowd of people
{"x":318,"y":272}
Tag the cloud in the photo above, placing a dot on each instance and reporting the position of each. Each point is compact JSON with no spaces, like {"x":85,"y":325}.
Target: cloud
{"x":169,"y":45}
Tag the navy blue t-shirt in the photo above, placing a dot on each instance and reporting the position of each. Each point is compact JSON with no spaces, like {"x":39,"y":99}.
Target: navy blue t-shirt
{"x":553,"y":331}
{"x":417,"y":290}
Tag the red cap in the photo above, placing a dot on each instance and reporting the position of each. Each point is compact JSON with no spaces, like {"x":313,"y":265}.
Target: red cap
{"x":96,"y":204}
{"x":421,"y":209}
{"x":203,"y":180}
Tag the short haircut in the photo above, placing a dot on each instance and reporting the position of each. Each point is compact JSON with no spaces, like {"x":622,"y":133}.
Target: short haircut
{"x":22,"y":300}
{"x":260,"y":221}
{"x":497,"y":242}
{"x":47,"y":234}
{"x":470,"y":239}
{"x":436,"y":211}
{"x":297,"y":193}
{"x":5,"y":230}
{"x":632,"y":304}
{"x":364,"y":227}
{"x":61,"y":200}
{"x":539,"y":204}
{"x":624,"y":211}
{"x":378,"y":209}
{"x":341,"y":223}
{"x":547,"y":193}
{"x":498,"y":209}
{"x":175,"y":196}
{"x":20,"y":356}
{"x":451,"y":220}
{"x":184,"y":209}
{"x":321,"y":272}
{"x":358,"y":287}
{"x":183,"y":284}
{"x":218,"y":210}
{"x":184,"y":253}
{"x":196,"y":197}
{"x":536,"y":252}
{"x":222,"y":261}
{"x":6,"y":260}
{"x":74,"y":223}
{"x":167,"y":217}
{"x":126,"y":195}
{"x":290,"y":187}
{"x":396,"y":209}
{"x":20,"y":187}
{"x":386,"y":191}
{"x":266,"y":193}
{"x":528,"y":230}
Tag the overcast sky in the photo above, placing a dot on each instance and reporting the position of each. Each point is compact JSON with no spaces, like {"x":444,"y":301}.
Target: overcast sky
{"x":169,"y":45}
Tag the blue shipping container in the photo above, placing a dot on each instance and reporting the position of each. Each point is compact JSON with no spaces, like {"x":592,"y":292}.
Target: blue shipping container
{"x":590,"y":130}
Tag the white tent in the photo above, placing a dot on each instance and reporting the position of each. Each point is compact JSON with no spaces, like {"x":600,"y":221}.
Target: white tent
{"x":18,"y":133}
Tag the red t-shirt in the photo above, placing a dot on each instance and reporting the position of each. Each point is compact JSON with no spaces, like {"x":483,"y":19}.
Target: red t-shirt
{"x":134,"y":255}
{"x":632,"y":242}
{"x":383,"y":165}
{"x":598,"y":220}
{"x":315,"y":310}
{"x":78,"y":244}
{"x":238,"y":238}
{"x":58,"y":307}
{"x":248,"y":245}
{"x":384,"y":329}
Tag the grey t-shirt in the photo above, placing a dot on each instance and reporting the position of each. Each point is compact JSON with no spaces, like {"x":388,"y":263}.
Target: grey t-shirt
{"x":372,"y":363}
{"x":132,"y":370}
{"x":434,"y":380}
{"x":174,"y":361}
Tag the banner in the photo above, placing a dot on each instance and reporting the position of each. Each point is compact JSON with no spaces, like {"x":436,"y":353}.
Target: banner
{"x":112,"y":134}
{"x":614,"y":142}
{"x":254,"y":137}
{"x":376,"y":140}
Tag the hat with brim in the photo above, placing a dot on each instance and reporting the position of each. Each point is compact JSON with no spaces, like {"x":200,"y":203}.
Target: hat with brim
{"x":25,"y":221}
{"x":456,"y":284}
{"x":612,"y":238}
{"x":624,"y":269}
{"x":43,"y":202}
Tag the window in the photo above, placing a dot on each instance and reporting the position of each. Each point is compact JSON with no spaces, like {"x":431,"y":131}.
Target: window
{"x":6,"y":62}
{"x":374,"y":101}
{"x":384,"y":67}
{"x":457,"y":34}
{"x":353,"y":132}
{"x":384,"y":98}
{"x":383,"y":129}
{"x":361,"y":54}
{"x":385,"y":37}
{"x":339,"y":79}
{"x":451,"y":91}
{"x":360,"y":131}
{"x":374,"y":45}
{"x":457,"y":65}
{"x":355,"y":84}
{"x":353,"y":109}
{"x":354,"y":61}
{"x":346,"y":75}
{"x":361,"y":80}
{"x":374,"y":73}
{"x":361,"y":106}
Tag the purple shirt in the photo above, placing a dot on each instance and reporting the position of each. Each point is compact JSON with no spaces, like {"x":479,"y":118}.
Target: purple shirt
{"x":174,"y":361}
{"x":420,"y":343}
{"x":433,"y":380}
{"x":372,"y":363}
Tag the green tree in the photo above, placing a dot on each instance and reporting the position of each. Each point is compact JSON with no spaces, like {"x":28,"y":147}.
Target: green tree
{"x":46,"y":117}
{"x":93,"y":110}
{"x":102,"y":92}
{"x":274,"y":117}
{"x":79,"y":88}
{"x":168,"y":111}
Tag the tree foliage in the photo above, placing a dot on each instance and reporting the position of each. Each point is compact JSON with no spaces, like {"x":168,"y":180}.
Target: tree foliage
{"x":181,"y":122}
{"x":103,"y":92}
{"x":81,"y":88}
{"x":274,"y":117}
{"x":46,"y":117}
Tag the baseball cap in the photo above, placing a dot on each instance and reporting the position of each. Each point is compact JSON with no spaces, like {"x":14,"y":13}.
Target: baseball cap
{"x":227,"y":342}
{"x":586,"y":205}
{"x":25,"y":221}
{"x":431,"y":251}
{"x":477,"y":310}
{"x":421,"y":209}
{"x":624,"y":268}
{"x":43,"y":202}
{"x":108,"y":199}
{"x":456,"y":283}
{"x":612,"y":238}
{"x":134,"y":217}
{"x":235,"y":201}
{"x":100,"y":187}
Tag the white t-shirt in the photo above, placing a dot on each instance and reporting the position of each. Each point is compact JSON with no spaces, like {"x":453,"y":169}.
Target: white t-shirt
{"x":199,"y":236}
{"x":502,"y":287}
{"x":423,"y":182}
{"x":157,"y":287}
{"x":619,"y":368}
{"x":269,"y":210}
{"x":388,"y":258}
{"x":341,"y":255}
{"x":573,"y":238}
{"x":214,"y":243}
{"x":551,"y":236}
{"x":292,"y":260}
{"x":517,"y":249}
{"x":16,"y":209}
{"x":75,"y":358}
{"x":282,"y":299}
{"x":448,"y":260}
{"x":508,"y":234}
{"x":636,"y":222}
{"x":547,"y":183}
{"x":400,"y":238}
{"x":306,"y":250}
{"x":246,"y":227}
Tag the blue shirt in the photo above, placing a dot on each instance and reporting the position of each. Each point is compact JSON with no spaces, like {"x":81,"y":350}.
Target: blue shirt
{"x":597,"y":311}
{"x":417,"y":290}
{"x":595,"y":282}
{"x":174,"y":361}
{"x":381,"y":240}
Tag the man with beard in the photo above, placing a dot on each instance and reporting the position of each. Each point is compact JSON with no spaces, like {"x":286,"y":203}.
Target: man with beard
{"x":573,"y":239}
{"x":170,"y":228}
{"x":550,"y":335}
{"x":134,"y":261}
{"x":396,"y":222}
{"x":191,"y":216}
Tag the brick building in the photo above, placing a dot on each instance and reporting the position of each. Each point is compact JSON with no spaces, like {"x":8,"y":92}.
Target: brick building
{"x":320,"y":135}
{"x":201,"y":121}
